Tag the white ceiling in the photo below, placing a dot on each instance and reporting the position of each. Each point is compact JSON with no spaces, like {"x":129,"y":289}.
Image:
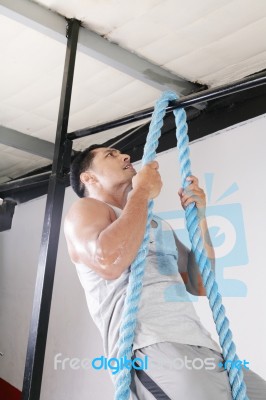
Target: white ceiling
{"x":208,"y":41}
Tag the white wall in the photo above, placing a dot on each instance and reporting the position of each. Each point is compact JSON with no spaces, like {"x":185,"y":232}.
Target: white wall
{"x":235,"y":155}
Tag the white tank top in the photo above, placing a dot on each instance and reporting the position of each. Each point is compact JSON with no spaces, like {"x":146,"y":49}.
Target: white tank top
{"x":165,"y":313}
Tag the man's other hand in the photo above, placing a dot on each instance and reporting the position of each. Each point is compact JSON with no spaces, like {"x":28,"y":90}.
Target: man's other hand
{"x":193,"y":194}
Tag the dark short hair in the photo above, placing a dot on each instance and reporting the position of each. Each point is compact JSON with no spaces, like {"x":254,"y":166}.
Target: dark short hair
{"x":81,"y":163}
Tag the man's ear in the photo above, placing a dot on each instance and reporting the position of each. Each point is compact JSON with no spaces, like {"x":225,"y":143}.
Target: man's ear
{"x":88,"y":178}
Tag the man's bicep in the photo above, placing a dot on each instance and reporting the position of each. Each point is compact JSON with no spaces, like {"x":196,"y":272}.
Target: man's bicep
{"x":83,"y":228}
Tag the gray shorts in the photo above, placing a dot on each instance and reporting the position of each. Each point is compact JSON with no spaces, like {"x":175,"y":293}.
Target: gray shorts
{"x":179,"y":371}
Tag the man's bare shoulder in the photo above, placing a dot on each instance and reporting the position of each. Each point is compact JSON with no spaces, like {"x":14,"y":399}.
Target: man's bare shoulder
{"x":85,"y":204}
{"x":86,"y":210}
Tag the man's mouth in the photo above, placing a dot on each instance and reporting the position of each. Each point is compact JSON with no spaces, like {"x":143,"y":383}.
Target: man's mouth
{"x":128,"y":166}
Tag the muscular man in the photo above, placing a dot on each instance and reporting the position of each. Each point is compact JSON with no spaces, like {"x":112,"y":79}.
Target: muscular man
{"x":104,"y":230}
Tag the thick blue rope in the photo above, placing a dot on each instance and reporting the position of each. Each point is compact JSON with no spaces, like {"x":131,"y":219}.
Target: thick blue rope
{"x":129,"y":316}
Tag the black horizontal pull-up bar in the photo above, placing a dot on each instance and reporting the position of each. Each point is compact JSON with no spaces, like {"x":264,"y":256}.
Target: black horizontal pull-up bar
{"x":190,"y":100}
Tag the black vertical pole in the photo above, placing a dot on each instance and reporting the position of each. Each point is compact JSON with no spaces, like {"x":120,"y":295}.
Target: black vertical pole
{"x":51,"y":229}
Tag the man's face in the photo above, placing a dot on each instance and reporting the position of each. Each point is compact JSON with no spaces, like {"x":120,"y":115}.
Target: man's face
{"x":111,"y":167}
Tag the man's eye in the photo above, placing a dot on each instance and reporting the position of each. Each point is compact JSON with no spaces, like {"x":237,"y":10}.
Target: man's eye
{"x":109,"y":154}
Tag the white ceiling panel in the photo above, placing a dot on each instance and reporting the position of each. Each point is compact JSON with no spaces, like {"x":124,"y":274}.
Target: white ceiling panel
{"x":102,"y":137}
{"x":203,"y":41}
{"x":224,"y":55}
{"x":102,"y":16}
{"x":14,"y":163}
{"x":212,"y":42}
{"x":31,"y":74}
{"x":31,"y":78}
{"x":7,"y":113}
{"x":238,"y":71}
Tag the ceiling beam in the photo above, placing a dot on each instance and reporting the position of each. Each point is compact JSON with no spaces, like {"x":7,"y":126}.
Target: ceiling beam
{"x":131,"y":64}
{"x":210,"y":122}
{"x":53,"y":25}
{"x":25,"y":142}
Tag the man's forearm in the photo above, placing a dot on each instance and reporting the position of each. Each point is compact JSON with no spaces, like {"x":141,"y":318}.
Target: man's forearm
{"x":195,"y":284}
{"x":207,"y":240}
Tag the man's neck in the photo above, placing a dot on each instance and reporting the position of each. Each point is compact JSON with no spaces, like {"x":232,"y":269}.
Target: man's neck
{"x":118,"y":199}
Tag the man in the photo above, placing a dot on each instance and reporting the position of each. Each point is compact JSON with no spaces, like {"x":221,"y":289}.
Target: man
{"x":104,"y":230}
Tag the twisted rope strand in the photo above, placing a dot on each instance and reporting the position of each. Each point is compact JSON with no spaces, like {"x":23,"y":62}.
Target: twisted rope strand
{"x":134,"y":288}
